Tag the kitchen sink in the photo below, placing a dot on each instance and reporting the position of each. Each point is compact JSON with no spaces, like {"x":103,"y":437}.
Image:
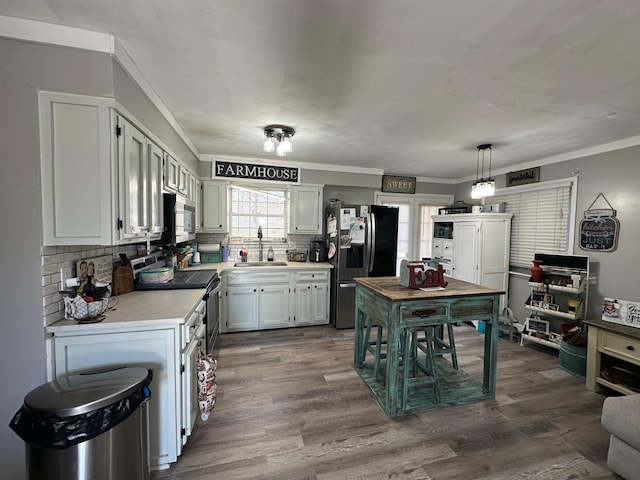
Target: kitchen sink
{"x":260,"y":264}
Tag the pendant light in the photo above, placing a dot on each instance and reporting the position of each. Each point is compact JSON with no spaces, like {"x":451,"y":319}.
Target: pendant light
{"x":483,"y":187}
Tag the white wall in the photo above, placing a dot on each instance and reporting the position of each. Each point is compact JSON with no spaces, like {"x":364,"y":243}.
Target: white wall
{"x":25,"y":68}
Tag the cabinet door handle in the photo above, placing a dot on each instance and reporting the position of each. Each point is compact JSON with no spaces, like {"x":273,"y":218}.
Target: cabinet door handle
{"x":423,"y":313}
{"x":630,"y":348}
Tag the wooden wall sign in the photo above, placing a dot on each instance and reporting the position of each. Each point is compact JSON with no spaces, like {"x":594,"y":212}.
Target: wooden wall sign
{"x":522,"y":177}
{"x":599,"y":229}
{"x":394,"y":184}
{"x":257,"y":172}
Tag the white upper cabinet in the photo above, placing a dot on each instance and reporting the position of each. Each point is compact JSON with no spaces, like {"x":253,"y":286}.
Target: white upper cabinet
{"x":140,"y":170}
{"x":183,"y":181}
{"x":155,"y":220}
{"x":171,"y":173}
{"x":77,"y":171}
{"x":197,"y":198}
{"x":101,"y":175}
{"x":214,"y":206}
{"x":305,"y":209}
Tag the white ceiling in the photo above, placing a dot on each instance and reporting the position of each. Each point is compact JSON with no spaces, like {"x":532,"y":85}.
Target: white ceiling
{"x":406,"y":86}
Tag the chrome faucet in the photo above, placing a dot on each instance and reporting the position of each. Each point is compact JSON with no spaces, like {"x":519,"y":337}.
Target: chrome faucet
{"x":260,"y":248}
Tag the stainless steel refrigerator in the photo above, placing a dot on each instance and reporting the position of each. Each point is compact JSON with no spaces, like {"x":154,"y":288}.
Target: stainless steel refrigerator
{"x":360,"y":244}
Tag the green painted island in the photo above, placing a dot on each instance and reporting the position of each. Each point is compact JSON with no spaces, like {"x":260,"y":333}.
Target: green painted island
{"x":401,"y":313}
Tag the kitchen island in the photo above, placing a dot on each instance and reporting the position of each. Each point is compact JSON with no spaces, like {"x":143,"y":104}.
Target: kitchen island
{"x":400,"y":310}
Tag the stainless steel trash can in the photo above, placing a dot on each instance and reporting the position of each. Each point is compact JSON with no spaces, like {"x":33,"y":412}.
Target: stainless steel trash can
{"x":90,"y":426}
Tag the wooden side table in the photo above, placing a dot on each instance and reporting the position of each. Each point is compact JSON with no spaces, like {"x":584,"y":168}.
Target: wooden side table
{"x":614,"y":340}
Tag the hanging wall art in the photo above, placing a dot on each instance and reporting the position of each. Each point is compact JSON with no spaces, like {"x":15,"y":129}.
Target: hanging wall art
{"x":599,"y":229}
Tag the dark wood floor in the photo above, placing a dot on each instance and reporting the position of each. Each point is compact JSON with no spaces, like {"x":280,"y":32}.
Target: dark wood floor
{"x":290,"y":406}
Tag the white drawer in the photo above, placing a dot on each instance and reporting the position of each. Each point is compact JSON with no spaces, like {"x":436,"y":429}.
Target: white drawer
{"x":252,"y":278}
{"x":312,"y":276}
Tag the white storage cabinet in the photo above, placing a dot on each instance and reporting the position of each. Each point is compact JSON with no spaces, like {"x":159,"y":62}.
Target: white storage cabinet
{"x":479,"y":250}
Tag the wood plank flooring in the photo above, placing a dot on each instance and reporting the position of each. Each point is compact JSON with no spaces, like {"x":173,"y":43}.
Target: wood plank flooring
{"x":291,"y":407}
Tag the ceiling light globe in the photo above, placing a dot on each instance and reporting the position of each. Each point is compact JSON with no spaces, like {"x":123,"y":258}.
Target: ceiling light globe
{"x":281,"y":150}
{"x":269,"y":144}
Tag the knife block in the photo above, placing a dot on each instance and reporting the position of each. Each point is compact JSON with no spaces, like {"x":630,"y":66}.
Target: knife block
{"x":122,"y":279}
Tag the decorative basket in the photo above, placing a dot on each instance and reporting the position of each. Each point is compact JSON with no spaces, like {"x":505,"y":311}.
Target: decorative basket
{"x":297,"y":255}
{"x":77,"y":308}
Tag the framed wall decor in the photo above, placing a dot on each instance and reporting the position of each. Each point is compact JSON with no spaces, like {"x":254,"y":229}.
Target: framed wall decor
{"x":395,"y":184}
{"x":599,"y":229}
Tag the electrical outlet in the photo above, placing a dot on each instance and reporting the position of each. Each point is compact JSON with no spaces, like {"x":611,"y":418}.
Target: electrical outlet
{"x":66,"y":272}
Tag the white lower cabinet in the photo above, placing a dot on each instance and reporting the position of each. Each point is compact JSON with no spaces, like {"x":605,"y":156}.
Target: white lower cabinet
{"x":156,"y":349}
{"x":311,"y":293}
{"x":255,"y":301}
{"x":274,"y":299}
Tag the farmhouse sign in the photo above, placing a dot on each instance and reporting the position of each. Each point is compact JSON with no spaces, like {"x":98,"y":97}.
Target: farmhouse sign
{"x":394,"y":184}
{"x":257,"y":172}
{"x":599,"y":229}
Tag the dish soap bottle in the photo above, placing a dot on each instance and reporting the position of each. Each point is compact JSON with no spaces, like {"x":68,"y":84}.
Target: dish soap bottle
{"x":270,"y":255}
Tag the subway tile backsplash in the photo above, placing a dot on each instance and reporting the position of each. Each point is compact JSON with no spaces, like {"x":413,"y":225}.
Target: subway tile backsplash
{"x":55,"y":258}
{"x":293,"y":242}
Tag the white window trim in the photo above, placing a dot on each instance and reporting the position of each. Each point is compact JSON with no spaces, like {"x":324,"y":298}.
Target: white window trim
{"x":429,"y":198}
{"x":250,"y":185}
{"x":571,"y":182}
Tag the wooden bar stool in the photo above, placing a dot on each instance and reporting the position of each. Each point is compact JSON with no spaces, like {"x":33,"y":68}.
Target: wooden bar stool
{"x":410,"y":344}
{"x":374,"y":347}
{"x":440,"y":347}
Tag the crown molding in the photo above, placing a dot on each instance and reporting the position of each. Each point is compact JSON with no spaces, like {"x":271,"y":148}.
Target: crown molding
{"x":563,"y":157}
{"x":71,"y":37}
{"x":52,"y":34}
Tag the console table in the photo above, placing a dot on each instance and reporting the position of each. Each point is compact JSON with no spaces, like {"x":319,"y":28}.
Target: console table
{"x":617,"y":341}
{"x":399,"y":309}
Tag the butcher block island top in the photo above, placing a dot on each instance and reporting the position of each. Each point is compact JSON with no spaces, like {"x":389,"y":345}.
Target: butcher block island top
{"x":399,"y":319}
{"x":390,"y":288}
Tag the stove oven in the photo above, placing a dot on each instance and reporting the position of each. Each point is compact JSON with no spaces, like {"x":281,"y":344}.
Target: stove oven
{"x":188,"y":278}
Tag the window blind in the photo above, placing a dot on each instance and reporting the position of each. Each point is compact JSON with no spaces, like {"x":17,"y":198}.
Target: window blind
{"x":540,"y":222}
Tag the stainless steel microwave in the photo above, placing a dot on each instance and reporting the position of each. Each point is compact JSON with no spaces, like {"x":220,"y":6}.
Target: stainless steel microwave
{"x":179,"y":219}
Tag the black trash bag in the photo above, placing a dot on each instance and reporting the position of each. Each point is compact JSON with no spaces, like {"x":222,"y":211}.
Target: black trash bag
{"x":64,"y":432}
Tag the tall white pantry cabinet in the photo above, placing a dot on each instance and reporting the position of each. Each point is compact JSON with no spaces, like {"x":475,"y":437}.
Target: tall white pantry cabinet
{"x":475,"y":248}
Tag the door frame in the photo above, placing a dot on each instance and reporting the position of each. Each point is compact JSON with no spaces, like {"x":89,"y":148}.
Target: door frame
{"x":416,"y":200}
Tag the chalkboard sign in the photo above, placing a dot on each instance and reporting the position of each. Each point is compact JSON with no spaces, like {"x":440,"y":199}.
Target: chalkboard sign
{"x":599,"y":230}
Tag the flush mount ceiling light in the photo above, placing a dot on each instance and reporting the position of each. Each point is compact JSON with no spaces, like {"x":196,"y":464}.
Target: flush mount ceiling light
{"x":483,"y":187}
{"x":277,"y":138}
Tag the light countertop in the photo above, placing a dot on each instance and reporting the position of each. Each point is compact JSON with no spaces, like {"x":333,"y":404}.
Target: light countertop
{"x":227,"y":266}
{"x":138,"y":309}
{"x":151,"y":308}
